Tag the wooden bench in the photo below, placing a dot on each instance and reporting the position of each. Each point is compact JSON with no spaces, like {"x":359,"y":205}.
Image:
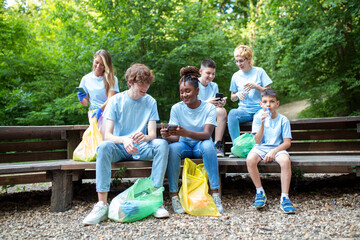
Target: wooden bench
{"x":43,"y":154}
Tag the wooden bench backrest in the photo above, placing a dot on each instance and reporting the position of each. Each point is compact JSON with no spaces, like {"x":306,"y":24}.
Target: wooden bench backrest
{"x":318,"y":136}
{"x":34,"y":143}
{"x":310,"y":136}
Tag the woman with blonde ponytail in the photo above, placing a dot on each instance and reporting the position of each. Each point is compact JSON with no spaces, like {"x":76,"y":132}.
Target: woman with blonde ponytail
{"x":98,"y":86}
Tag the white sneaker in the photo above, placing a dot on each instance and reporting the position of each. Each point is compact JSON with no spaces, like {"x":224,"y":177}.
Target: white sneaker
{"x":161,"y":212}
{"x":98,"y":214}
{"x":232,"y":156}
{"x":217,"y":201}
{"x":178,"y":209}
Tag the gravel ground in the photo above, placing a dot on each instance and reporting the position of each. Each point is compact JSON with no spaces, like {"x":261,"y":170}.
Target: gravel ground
{"x":327,"y":208}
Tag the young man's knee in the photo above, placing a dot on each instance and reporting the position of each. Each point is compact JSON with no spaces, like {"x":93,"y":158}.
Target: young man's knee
{"x":252,"y":159}
{"x":160,"y":144}
{"x":284,"y":161}
{"x":221,"y":113}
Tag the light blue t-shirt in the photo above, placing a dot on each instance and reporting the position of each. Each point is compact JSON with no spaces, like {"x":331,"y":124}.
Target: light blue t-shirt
{"x":207,"y":92}
{"x":131,"y":116}
{"x":95,"y":88}
{"x":257,"y":76}
{"x":275,"y":134}
{"x":193,"y":119}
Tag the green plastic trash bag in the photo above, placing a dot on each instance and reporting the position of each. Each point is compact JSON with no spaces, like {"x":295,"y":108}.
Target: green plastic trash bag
{"x":242,"y":145}
{"x":137,"y":202}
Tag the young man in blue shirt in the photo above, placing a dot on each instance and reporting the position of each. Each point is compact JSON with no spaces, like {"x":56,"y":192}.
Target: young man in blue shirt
{"x":130,"y":119}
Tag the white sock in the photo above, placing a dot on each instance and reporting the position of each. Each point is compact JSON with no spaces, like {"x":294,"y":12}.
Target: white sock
{"x":286,"y":195}
{"x":259,"y":190}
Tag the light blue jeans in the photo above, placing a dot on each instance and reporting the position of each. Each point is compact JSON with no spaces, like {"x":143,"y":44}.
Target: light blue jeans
{"x":235,"y":117}
{"x":202,"y":149}
{"x":108,"y":152}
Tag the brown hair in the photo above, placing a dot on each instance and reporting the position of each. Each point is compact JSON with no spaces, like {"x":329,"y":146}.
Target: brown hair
{"x":269,"y":92}
{"x":190,"y":74}
{"x":109,"y":79}
{"x":139,"y":73}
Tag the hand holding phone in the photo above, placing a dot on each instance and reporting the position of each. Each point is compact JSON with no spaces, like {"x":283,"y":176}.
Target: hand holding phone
{"x":172,"y":126}
{"x":220,"y":96}
{"x":80,"y":89}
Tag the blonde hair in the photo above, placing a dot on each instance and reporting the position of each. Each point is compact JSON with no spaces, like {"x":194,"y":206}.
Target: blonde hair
{"x":245,"y":52}
{"x":109,"y":79}
{"x":139,"y":73}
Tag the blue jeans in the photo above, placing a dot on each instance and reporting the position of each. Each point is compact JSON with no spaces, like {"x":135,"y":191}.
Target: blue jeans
{"x":235,"y":117}
{"x":202,"y":149}
{"x":108,"y":152}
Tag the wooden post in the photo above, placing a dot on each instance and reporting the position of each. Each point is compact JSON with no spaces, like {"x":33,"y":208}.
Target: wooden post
{"x":62,"y":191}
{"x":73,"y":139}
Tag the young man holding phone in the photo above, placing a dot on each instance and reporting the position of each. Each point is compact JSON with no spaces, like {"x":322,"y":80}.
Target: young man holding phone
{"x":209,"y":92}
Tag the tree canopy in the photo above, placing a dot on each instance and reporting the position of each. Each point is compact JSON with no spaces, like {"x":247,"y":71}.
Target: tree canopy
{"x":310,"y":49}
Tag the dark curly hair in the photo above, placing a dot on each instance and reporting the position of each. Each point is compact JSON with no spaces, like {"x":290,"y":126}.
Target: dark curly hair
{"x":190,"y":74}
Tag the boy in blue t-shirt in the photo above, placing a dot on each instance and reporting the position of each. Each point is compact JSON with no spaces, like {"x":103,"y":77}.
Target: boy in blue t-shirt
{"x":207,"y":92}
{"x":130,"y":130}
{"x":272,"y":137}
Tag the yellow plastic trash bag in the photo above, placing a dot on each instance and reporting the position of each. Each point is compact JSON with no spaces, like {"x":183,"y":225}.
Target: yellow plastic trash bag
{"x":193,"y":194}
{"x":86,"y":150}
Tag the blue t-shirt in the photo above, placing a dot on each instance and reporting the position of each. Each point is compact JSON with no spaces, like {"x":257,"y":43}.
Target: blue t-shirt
{"x":193,"y":119}
{"x":131,"y":116}
{"x":207,"y":92}
{"x":95,"y":88}
{"x":257,"y":76}
{"x":275,"y":134}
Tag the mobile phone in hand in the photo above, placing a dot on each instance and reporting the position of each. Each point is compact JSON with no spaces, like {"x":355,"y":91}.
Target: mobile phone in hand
{"x":219,"y":95}
{"x":172,"y":126}
{"x":80,"y":89}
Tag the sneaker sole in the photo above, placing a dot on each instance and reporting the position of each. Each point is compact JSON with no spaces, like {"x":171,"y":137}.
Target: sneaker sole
{"x":261,"y":206}
{"x":93,"y":223}
{"x":165,"y":216}
{"x":287,"y":212}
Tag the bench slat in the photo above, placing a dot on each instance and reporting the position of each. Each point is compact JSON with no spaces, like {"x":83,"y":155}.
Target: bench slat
{"x":24,"y":179}
{"x":325,"y":135}
{"x":32,"y":156}
{"x":325,"y":146}
{"x":32,"y":146}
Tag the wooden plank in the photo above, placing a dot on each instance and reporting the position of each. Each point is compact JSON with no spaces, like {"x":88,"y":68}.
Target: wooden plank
{"x":32,"y":156}
{"x":32,"y":146}
{"x":23,"y":178}
{"x":325,"y":146}
{"x":323,"y":160}
{"x":325,"y":123}
{"x":325,"y":135}
{"x":8,"y":168}
{"x":32,"y":132}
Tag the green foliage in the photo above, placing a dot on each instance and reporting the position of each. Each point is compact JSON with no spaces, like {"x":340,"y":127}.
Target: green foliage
{"x":310,"y":49}
{"x":118,"y":176}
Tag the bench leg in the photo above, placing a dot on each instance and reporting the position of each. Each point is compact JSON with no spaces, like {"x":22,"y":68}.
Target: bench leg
{"x":62,"y":191}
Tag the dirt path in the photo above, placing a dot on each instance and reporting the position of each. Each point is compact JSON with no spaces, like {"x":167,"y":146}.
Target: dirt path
{"x":291,"y":110}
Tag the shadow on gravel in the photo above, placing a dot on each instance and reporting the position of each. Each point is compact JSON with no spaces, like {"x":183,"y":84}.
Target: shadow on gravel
{"x":348,"y":183}
{"x":235,"y":186}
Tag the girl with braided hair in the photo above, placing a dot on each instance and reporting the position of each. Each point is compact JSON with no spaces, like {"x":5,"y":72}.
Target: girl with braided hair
{"x":195,"y":121}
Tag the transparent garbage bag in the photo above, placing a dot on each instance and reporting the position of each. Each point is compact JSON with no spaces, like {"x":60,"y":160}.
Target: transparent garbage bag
{"x":137,"y":202}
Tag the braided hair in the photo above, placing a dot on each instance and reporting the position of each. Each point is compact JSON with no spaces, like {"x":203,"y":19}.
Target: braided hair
{"x":190,"y":74}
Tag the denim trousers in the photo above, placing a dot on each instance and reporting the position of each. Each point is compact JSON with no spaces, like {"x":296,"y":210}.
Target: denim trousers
{"x":108,"y":152}
{"x":201,"y":149}
{"x":235,"y":117}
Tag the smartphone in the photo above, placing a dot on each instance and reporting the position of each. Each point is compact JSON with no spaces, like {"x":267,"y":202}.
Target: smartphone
{"x":80,"y":89}
{"x":172,"y":126}
{"x":219,"y":95}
